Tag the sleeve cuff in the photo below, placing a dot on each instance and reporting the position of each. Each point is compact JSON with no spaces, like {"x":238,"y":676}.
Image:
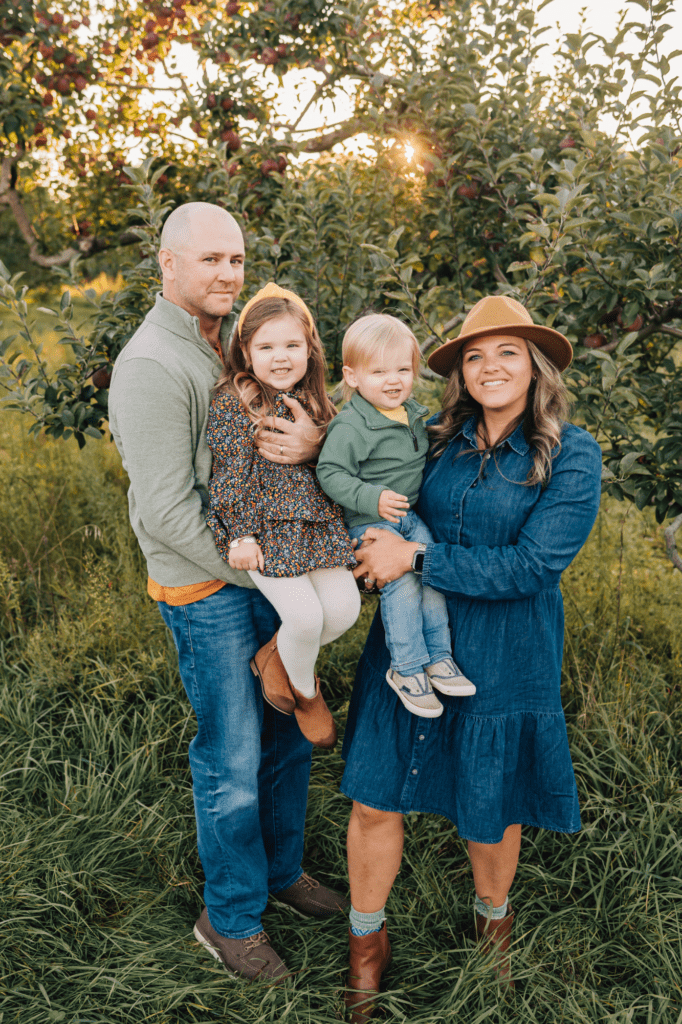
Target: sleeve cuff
{"x":369,"y":503}
{"x":426,"y":566}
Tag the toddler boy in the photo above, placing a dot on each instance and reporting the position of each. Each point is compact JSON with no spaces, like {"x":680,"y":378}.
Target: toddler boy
{"x":376,"y":449}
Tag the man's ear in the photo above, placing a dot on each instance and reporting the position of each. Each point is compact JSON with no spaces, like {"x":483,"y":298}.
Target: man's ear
{"x":167,"y":263}
{"x":349,"y":377}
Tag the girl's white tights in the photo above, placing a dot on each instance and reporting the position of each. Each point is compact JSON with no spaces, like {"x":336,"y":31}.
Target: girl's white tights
{"x":314,"y":610}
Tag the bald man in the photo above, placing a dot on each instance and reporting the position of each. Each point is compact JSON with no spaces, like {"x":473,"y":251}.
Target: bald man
{"x":250,"y":763}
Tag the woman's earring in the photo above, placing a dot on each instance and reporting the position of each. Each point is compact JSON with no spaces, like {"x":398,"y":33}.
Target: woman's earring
{"x":464,"y":387}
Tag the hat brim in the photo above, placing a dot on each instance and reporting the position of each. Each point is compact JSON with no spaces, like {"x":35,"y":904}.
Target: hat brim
{"x":551,"y":343}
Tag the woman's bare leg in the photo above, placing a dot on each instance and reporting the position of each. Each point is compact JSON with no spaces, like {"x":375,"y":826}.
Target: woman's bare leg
{"x":494,"y":865}
{"x":375,"y":849}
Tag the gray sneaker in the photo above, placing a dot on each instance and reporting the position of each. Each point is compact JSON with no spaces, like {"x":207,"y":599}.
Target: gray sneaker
{"x":446,"y":677}
{"x":311,"y":899}
{"x":244,"y":958}
{"x":416,"y":694}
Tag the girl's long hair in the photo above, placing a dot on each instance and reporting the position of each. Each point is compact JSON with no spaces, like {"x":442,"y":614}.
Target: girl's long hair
{"x":546,"y":411}
{"x":257,"y":397}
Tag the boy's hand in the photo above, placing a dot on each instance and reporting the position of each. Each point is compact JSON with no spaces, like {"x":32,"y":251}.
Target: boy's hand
{"x":393,"y":506}
{"x":246,"y":556}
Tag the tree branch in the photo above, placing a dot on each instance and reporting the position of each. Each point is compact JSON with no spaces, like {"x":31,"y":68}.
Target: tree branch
{"x":324,"y":142}
{"x":84,"y":246}
{"x":670,"y":545}
{"x":670,"y":330}
{"x":329,"y":77}
{"x":426,"y":345}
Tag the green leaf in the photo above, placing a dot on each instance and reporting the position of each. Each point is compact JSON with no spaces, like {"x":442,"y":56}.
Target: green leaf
{"x":394,"y":237}
{"x":524,"y":265}
{"x":628,"y":461}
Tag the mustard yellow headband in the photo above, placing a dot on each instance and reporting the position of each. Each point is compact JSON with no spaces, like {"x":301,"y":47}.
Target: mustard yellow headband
{"x":273,"y":291}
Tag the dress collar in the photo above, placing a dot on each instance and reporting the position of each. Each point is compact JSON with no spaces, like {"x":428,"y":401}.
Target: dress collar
{"x":517,"y":441}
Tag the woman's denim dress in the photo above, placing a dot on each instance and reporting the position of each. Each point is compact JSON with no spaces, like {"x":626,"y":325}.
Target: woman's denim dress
{"x":500,"y":757}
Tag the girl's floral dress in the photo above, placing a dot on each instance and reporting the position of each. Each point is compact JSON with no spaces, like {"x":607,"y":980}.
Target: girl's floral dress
{"x":297,"y":526}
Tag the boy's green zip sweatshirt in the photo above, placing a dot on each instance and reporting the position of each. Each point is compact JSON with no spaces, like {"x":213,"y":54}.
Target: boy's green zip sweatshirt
{"x":366,"y":453}
{"x":158,"y":406}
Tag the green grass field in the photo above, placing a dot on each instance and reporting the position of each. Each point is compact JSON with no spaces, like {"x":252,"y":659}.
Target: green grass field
{"x":100,"y":878}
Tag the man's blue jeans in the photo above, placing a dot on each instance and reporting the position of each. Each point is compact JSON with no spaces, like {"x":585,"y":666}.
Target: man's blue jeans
{"x":415,"y":617}
{"x":250,"y":764}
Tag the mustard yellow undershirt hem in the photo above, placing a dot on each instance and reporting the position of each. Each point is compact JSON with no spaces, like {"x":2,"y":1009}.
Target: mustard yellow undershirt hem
{"x":183,"y":595}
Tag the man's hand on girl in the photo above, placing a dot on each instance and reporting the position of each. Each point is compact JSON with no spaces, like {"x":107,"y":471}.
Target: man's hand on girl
{"x":383,"y":556}
{"x":247,"y":555}
{"x":290,"y":443}
{"x":393,"y":506}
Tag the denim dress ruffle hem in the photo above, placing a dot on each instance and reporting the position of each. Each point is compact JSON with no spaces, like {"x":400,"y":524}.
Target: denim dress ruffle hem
{"x":500,"y":757}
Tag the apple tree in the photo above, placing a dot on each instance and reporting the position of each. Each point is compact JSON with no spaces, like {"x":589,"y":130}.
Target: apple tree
{"x":475,"y":172}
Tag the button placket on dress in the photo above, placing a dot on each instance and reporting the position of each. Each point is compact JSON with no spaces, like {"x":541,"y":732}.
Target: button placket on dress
{"x":419,"y":746}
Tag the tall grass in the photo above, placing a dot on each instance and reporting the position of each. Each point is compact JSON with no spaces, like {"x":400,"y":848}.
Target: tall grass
{"x":100,"y":878}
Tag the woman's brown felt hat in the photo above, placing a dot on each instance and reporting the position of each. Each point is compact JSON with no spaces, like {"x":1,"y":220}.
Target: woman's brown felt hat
{"x":498,"y":314}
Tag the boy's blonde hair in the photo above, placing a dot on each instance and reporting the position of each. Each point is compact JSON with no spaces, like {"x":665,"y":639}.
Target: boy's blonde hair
{"x":369,"y":337}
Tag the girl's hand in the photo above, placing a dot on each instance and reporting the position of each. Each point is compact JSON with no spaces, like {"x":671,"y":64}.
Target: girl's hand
{"x":392,"y":506}
{"x":246,"y":556}
{"x":383,"y":557}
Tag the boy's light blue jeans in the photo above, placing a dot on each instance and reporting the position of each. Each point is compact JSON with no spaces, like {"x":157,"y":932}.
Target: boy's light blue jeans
{"x":250,"y":764}
{"x":415,"y":617}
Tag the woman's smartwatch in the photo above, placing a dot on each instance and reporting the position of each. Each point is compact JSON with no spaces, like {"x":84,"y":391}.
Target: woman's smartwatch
{"x":418,"y":559}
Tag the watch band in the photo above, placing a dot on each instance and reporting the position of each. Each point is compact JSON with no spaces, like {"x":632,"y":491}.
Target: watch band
{"x":243,"y":540}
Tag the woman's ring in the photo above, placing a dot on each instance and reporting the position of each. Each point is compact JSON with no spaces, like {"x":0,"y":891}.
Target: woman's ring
{"x":281,"y":449}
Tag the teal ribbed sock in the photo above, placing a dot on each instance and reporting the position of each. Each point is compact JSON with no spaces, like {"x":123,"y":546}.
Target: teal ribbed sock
{"x":484,"y":909}
{"x":365,"y":924}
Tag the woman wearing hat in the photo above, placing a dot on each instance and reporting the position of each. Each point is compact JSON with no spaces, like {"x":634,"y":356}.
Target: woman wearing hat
{"x":510,"y":494}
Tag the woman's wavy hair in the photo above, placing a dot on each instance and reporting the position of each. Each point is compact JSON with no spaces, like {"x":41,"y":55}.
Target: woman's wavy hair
{"x":546,"y":411}
{"x":257,"y":397}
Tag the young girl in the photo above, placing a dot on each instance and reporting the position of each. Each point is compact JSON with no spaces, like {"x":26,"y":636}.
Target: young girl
{"x":272,"y":520}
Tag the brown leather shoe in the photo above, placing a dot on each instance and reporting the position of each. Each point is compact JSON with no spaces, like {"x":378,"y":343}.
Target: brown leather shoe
{"x":370,"y":955}
{"x":496,"y":935}
{"x":252,"y":958}
{"x":311,"y":899}
{"x":274,"y":681}
{"x":314,"y":718}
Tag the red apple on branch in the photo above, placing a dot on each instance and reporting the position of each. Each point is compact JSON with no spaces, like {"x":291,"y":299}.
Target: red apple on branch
{"x":594,"y":340}
{"x":636,"y":324}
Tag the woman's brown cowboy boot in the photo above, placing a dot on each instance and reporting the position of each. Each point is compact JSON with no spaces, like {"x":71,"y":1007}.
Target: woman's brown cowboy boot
{"x":496,"y":935}
{"x":370,"y":955}
{"x":314,"y":718}
{"x":274,"y":682}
